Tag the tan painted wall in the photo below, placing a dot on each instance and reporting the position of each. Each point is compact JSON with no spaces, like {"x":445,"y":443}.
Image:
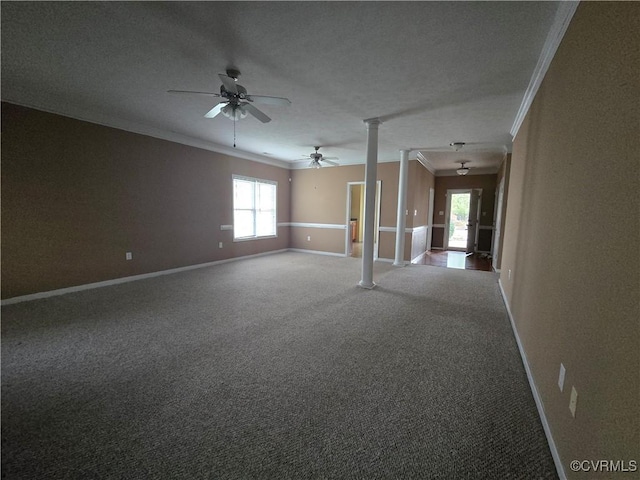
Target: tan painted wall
{"x":418,"y":206}
{"x":570,"y":265}
{"x":504,"y":172}
{"x":320,"y":196}
{"x":76,"y":196}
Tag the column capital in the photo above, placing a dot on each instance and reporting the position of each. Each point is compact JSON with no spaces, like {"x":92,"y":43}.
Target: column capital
{"x":372,"y":121}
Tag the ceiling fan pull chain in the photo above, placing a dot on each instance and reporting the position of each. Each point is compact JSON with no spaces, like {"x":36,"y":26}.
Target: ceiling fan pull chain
{"x":234,"y":134}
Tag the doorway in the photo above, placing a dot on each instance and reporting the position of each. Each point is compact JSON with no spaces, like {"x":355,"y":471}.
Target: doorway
{"x":462,"y":219}
{"x":355,"y":219}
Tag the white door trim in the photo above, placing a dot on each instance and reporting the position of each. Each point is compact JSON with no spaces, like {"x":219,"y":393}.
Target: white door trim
{"x":347,"y":237}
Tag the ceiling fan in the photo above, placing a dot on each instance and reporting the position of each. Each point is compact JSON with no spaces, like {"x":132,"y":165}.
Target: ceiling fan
{"x":236,"y":103}
{"x":316,"y":157}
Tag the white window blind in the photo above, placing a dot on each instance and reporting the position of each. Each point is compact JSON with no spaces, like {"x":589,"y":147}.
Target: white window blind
{"x":254,"y":208}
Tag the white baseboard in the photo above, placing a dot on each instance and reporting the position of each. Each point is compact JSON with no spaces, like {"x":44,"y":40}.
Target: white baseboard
{"x":536,"y":396}
{"x":385,"y":260}
{"x":133,"y":278}
{"x":418,"y":257}
{"x":317,"y":252}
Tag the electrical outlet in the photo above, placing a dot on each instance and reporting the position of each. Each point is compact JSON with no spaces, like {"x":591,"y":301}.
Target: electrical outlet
{"x":128,"y":255}
{"x":573,"y":402}
{"x":219,"y":244}
{"x":440,"y":212}
{"x":563,"y":371}
{"x":415,"y":213}
{"x":309,"y":238}
{"x":509,"y":274}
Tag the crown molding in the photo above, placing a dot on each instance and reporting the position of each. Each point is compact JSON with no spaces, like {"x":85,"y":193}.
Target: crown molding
{"x":133,"y":127}
{"x":472,"y":171}
{"x":424,"y":161}
{"x":563,"y":17}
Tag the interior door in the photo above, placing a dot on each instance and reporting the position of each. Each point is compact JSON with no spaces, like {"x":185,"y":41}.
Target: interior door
{"x":474,"y":221}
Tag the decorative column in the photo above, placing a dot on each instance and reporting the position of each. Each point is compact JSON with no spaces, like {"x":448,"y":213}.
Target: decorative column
{"x":370,"y":177}
{"x":401,"y":221}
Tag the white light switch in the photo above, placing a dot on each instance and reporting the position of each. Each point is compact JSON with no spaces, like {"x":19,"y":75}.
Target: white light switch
{"x":219,"y":244}
{"x":128,"y":255}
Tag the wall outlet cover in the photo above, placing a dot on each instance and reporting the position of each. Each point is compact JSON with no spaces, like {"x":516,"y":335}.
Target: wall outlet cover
{"x":573,"y":402}
{"x":128,"y":255}
{"x":563,"y":371}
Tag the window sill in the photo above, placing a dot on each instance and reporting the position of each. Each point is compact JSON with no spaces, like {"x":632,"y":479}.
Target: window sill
{"x":247,"y":239}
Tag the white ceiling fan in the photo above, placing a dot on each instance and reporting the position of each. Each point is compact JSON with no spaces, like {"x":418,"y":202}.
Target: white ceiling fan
{"x":236,"y":103}
{"x":317,"y":157}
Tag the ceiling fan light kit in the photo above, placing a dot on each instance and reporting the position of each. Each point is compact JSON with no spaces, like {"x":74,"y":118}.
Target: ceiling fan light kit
{"x":234,"y":112}
{"x":462,"y":170}
{"x":317,"y":157}
{"x":236,"y":103}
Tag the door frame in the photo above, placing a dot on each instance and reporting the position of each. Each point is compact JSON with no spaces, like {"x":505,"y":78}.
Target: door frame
{"x":497,"y":226}
{"x":432,"y":194}
{"x":476,"y":195}
{"x":347,"y":236}
{"x":447,"y":213}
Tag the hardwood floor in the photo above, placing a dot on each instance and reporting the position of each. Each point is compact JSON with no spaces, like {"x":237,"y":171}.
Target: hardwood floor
{"x":451,"y":259}
{"x":446,"y":258}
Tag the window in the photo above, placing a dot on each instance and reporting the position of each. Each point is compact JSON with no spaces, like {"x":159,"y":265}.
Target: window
{"x":254,"y":208}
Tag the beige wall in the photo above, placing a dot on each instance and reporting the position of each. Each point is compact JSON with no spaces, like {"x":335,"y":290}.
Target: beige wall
{"x":570,"y":264}
{"x":320,"y":196}
{"x":503,"y":172}
{"x":420,"y":180}
{"x":76,"y":196}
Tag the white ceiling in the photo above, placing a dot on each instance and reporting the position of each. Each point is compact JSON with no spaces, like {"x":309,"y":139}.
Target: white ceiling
{"x":433,"y":72}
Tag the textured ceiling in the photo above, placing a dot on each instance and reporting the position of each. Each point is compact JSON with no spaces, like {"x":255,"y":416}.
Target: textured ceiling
{"x":433,"y":72}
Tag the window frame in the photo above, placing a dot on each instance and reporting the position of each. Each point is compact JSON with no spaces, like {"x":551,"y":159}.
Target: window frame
{"x":255,"y":210}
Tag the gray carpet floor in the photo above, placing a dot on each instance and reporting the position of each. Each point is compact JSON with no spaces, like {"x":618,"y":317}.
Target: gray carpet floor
{"x":272,"y":367}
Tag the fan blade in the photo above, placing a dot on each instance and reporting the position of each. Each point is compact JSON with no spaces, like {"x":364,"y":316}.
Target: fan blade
{"x":229,"y":83}
{"x":256,"y":113}
{"x":197,"y":93}
{"x":330,"y":162}
{"x":330,"y":158}
{"x":266,"y":100}
{"x":215,"y":110}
